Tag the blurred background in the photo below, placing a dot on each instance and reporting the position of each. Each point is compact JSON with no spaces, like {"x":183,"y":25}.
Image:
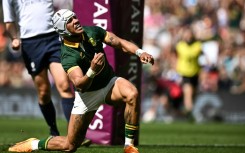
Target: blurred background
{"x":218,"y":95}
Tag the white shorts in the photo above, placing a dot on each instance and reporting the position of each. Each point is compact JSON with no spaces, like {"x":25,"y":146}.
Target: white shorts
{"x":90,"y":101}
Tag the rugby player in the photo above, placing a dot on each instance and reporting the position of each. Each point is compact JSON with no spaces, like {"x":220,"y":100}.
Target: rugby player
{"x":85,"y":62}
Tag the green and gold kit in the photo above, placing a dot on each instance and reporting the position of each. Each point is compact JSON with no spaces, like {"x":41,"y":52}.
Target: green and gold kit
{"x":81,"y":54}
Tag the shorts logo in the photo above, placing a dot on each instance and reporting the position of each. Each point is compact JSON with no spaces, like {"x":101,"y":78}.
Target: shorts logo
{"x":33,"y":67}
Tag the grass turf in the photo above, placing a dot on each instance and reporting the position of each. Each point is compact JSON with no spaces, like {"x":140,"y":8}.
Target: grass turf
{"x":156,"y":137}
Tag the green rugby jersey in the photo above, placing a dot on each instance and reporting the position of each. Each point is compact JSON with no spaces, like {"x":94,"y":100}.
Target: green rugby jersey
{"x":81,"y":54}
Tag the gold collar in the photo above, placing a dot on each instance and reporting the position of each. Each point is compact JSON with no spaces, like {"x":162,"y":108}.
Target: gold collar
{"x":72,"y":44}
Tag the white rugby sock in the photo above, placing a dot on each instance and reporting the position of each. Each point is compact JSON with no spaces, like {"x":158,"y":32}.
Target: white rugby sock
{"x":34,"y":144}
{"x":129,"y":142}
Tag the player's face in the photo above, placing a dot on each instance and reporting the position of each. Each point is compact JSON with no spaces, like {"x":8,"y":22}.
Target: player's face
{"x":73,"y":26}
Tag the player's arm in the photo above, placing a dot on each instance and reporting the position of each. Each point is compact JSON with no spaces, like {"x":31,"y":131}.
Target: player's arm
{"x":79,"y":80}
{"x":11,"y":29}
{"x":12,"y":33}
{"x":82,"y":81}
{"x":128,"y":47}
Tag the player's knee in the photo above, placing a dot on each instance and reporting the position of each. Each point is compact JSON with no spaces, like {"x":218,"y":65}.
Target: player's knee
{"x":44,"y":96}
{"x":64,"y":88}
{"x":132,"y":97}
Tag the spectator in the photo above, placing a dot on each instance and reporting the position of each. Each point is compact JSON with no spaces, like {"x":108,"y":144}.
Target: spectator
{"x":4,"y":66}
{"x":188,"y":51}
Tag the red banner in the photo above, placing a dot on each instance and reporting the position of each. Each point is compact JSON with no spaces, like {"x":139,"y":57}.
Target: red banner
{"x":125,"y":19}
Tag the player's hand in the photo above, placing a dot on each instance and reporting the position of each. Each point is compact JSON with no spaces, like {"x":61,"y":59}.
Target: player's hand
{"x":146,"y":58}
{"x":98,"y":62}
{"x":16,"y":44}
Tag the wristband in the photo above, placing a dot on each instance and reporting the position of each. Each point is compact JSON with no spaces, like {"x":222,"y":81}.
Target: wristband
{"x":90,"y":73}
{"x":139,"y":52}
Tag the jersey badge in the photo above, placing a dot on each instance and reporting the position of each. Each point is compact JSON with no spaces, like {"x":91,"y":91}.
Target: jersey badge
{"x":92,"y":41}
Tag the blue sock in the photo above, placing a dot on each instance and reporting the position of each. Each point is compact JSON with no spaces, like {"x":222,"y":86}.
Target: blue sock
{"x":67,"y":105}
{"x":48,"y":112}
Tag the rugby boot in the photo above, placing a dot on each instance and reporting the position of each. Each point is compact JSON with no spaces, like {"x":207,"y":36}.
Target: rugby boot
{"x":23,"y":146}
{"x":130,"y":149}
{"x":86,"y":143}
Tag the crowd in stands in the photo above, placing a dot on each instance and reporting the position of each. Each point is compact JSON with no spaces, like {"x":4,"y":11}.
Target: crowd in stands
{"x":218,"y":25}
{"x":212,"y":60}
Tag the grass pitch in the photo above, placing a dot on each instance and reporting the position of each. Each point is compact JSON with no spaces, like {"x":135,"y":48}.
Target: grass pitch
{"x":156,"y":137}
